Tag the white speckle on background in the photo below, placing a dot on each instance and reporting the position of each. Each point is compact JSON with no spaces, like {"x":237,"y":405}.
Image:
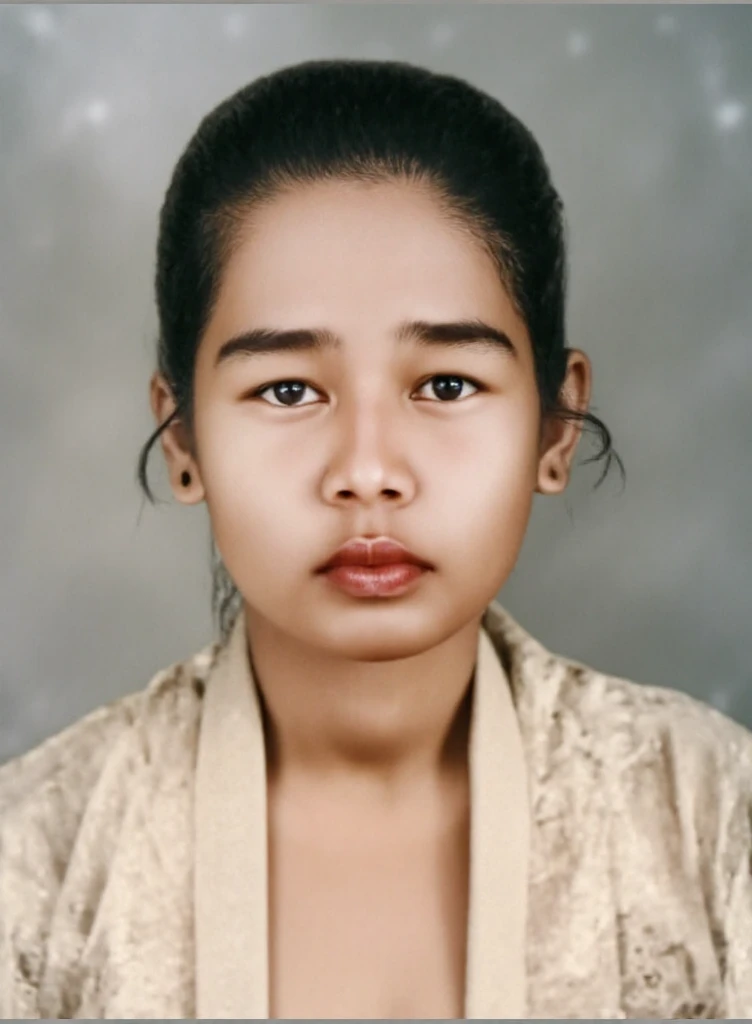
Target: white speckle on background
{"x":39,"y":22}
{"x":578,"y":43}
{"x":666,"y":25}
{"x":729,"y":114}
{"x":94,"y":112}
{"x":235,"y":25}
{"x":441,"y":35}
{"x":97,"y":112}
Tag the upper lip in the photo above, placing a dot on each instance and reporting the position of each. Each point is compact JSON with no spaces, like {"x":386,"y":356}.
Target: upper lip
{"x":378,"y":551}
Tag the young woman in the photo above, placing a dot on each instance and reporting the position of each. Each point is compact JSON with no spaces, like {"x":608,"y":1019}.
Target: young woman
{"x":375,"y":795}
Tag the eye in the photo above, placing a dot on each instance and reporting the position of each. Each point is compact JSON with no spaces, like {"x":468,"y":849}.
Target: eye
{"x":286,"y":391}
{"x":448,"y":386}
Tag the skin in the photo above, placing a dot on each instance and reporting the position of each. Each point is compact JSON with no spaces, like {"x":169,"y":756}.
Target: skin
{"x":366,"y":700}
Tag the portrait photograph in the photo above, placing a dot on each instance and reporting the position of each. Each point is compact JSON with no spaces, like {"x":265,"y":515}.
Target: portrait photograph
{"x":376,"y":590}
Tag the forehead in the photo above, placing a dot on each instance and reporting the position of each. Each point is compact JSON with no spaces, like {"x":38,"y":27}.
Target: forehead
{"x":355,"y":256}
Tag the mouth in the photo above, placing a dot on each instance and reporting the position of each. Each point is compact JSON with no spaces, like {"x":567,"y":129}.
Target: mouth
{"x":374,"y":568}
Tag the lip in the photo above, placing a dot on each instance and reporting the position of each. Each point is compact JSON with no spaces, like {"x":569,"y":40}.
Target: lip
{"x":367,"y":552}
{"x":375,"y":581}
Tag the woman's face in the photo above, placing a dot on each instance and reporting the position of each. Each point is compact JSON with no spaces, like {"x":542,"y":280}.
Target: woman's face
{"x":369,"y":442}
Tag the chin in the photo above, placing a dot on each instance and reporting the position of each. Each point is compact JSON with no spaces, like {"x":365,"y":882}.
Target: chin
{"x":387,"y":633}
{"x":375,"y":650}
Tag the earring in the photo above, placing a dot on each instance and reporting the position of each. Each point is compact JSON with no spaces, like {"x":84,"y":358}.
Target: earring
{"x":185,"y":478}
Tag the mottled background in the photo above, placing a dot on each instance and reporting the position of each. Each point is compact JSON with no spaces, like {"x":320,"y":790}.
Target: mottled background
{"x":644,"y":115}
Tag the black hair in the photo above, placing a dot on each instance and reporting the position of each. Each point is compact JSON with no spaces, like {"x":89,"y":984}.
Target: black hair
{"x":370,"y":121}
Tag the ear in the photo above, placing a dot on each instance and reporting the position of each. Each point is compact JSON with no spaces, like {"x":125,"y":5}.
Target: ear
{"x":177,"y":445}
{"x":561,"y":437}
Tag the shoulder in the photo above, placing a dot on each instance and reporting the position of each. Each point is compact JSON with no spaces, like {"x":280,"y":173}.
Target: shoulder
{"x":648,"y":743}
{"x":54,"y":778}
{"x":653,"y":736}
{"x":676,"y":769}
{"x":639,"y":723}
{"x":62,"y":809}
{"x":690,"y":766}
{"x":628,"y":717}
{"x":677,"y":777}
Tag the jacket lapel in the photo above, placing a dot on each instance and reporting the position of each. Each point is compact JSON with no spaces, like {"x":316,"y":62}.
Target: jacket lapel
{"x":499,"y":845}
{"x":231,"y":843}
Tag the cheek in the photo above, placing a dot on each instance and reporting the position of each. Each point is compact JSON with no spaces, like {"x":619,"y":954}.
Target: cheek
{"x":495,"y":467}
{"x":492,"y":457}
{"x":490,"y":498}
{"x":257,"y":498}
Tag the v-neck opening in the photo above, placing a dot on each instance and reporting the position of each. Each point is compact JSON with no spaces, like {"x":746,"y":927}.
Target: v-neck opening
{"x":231,"y":836}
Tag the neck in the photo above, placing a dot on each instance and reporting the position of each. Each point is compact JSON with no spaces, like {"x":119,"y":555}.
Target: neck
{"x":384,"y":727}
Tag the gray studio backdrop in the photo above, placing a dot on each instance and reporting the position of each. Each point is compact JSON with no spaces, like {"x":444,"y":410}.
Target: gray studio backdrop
{"x":644,"y":114}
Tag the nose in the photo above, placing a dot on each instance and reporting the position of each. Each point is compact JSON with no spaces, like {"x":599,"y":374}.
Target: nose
{"x":368,"y":465}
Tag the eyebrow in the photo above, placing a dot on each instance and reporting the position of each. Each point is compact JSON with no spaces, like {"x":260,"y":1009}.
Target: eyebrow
{"x":456,"y":334}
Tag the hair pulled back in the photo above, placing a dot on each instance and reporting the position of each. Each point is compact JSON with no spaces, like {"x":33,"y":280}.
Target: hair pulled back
{"x":368,"y":121}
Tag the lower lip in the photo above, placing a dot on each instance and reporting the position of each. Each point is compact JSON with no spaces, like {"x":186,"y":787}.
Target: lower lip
{"x":374,"y":581}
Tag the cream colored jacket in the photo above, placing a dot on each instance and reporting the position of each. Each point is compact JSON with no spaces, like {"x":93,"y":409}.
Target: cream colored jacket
{"x":610,"y":848}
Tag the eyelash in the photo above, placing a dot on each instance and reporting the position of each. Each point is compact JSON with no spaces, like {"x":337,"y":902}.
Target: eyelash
{"x":258,"y":392}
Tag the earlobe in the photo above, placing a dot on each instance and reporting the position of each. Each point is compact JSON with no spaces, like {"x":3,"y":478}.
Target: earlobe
{"x":551,"y":479}
{"x":187,"y":487}
{"x":185,"y":480}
